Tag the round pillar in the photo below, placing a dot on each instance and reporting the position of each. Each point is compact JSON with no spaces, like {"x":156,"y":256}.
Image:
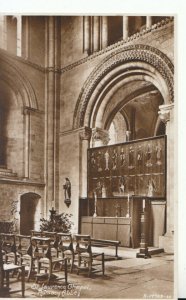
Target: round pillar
{"x":96,"y":34}
{"x":85,"y":135}
{"x":86,"y":40}
{"x":148,"y":21}
{"x":104,"y":31}
{"x":125,"y":27}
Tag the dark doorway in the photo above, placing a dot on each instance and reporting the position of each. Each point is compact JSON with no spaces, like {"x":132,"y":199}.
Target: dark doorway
{"x":29,"y":213}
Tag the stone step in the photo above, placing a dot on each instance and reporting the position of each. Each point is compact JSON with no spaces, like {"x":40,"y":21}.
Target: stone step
{"x":153,"y":251}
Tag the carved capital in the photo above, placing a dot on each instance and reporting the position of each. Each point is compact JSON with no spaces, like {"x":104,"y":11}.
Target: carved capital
{"x":85,"y":133}
{"x":99,"y":134}
{"x":164,"y":112}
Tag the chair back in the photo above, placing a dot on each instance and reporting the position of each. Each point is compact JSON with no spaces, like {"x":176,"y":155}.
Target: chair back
{"x":53,"y":238}
{"x":42,"y":247}
{"x":83,"y":243}
{"x":23,"y":244}
{"x":65,"y":241}
{"x":8,"y":242}
{"x":36,"y":233}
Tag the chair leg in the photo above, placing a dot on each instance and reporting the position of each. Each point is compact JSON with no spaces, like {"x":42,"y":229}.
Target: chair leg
{"x":89,"y":267}
{"x":30,"y":269}
{"x":65,"y":266}
{"x":50,"y":271}
{"x":103,"y":263}
{"x":72,"y":263}
{"x":79,"y":263}
{"x":23,"y":280}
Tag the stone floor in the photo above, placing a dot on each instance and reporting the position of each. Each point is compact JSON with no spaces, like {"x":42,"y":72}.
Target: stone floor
{"x":126,"y":278}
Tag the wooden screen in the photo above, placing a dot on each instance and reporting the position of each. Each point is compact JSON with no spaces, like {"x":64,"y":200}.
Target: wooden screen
{"x":135,"y":168}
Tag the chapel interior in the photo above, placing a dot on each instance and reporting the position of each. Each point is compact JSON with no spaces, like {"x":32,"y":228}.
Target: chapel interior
{"x":90,"y":99}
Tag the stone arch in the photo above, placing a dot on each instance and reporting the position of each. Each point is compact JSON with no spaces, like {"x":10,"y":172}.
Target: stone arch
{"x":135,"y":62}
{"x":30,"y":212}
{"x":16,"y":94}
{"x":19,"y":83}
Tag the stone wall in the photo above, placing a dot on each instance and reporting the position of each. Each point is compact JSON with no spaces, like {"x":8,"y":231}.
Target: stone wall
{"x":10,"y":196}
{"x":70,"y":167}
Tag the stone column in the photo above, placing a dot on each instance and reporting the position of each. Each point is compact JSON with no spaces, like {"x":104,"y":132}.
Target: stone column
{"x":86,"y":37}
{"x":104,"y":32}
{"x":148,"y":21}
{"x":3,"y":32}
{"x":26,"y":113}
{"x":100,"y":137}
{"x":27,"y":36}
{"x":19,"y":36}
{"x":85,"y":135}
{"x":96,"y":33}
{"x":125,"y":27}
{"x":166,"y":114}
{"x":128,"y":135}
{"x":49,"y":125}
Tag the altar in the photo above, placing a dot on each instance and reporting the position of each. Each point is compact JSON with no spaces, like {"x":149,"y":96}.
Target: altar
{"x":125,"y":226}
{"x":108,"y":228}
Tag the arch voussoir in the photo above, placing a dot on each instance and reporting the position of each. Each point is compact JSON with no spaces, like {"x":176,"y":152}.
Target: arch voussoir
{"x":155,"y":62}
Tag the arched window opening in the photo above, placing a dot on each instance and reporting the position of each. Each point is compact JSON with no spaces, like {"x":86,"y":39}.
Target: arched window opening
{"x":117,"y":129}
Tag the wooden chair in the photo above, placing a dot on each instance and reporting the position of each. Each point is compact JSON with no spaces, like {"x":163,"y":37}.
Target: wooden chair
{"x":25,"y":254}
{"x":53,"y":240}
{"x":47,"y":262}
{"x":65,"y":246}
{"x":86,"y":257}
{"x":9,"y":247}
{"x":5,"y":270}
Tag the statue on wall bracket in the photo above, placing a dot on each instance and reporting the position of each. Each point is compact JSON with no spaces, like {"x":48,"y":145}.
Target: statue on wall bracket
{"x":67,"y":191}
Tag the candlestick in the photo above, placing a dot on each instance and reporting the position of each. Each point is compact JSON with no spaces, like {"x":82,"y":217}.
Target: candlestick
{"x":143,"y":204}
{"x":128,"y":207}
{"x":95,"y":196}
{"x":95,"y":205}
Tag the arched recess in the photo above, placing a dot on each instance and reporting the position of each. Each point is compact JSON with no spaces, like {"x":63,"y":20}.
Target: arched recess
{"x":135,"y":63}
{"x":30,"y":212}
{"x":18,"y":81}
{"x":16,"y":94}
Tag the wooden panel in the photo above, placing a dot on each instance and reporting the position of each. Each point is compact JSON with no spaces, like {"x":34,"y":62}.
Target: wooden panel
{"x":136,"y":167}
{"x":158,"y":219}
{"x":125,"y":221}
{"x":124,"y":235}
{"x":98,"y":220}
{"x":86,"y":228}
{"x":105,"y":231}
{"x":111,"y":221}
{"x":135,"y":222}
{"x":86,"y":219}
